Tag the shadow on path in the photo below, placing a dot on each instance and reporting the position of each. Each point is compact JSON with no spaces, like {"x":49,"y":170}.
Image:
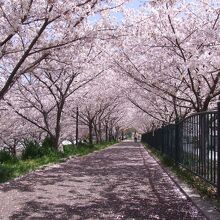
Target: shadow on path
{"x":121,"y":182}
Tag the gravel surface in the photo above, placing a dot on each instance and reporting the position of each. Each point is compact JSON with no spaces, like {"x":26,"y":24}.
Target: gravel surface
{"x":120,"y":182}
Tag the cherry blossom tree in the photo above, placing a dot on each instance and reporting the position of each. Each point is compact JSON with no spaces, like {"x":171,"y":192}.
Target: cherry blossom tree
{"x":100,"y":108}
{"x":48,"y":52}
{"x":31,"y":31}
{"x":40,"y":97}
{"x":15,"y":131}
{"x":170,"y":51}
{"x":66,"y":75}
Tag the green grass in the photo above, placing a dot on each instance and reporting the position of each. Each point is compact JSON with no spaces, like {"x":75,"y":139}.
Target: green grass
{"x":205,"y":189}
{"x":85,"y":149}
{"x":15,"y":168}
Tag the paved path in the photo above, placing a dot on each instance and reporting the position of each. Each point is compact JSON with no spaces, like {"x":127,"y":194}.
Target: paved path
{"x":121,"y":182}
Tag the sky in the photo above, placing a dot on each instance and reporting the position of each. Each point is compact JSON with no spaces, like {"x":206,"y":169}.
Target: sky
{"x":134,"y":4}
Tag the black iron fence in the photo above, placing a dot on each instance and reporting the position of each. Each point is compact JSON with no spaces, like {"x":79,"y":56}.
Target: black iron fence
{"x":193,"y":142}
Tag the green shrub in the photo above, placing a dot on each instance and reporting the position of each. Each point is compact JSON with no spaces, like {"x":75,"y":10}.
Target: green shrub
{"x":47,"y":143}
{"x":5,"y":156}
{"x":47,"y":147}
{"x":83,"y":144}
{"x":69,"y":149}
{"x":32,"y":150}
{"x":167,"y":161}
{"x":5,"y":173}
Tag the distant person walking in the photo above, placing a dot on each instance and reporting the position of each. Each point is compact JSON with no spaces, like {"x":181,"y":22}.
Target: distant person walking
{"x":135,"y":138}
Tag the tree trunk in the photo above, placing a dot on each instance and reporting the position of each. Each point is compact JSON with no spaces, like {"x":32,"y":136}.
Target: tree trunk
{"x":96,"y":133}
{"x":106,"y":132}
{"x":117,"y":129}
{"x":110,"y":134}
{"x":54,"y":141}
{"x":14,"y":150}
{"x":58,"y":128}
{"x":100,"y":131}
{"x":122,"y":135}
{"x":90,"y":132}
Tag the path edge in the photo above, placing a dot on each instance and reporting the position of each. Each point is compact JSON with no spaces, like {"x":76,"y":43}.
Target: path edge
{"x":208,"y":209}
{"x":51,"y":165}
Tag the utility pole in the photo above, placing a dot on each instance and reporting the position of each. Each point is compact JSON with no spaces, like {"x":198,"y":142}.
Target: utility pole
{"x":77,"y":125}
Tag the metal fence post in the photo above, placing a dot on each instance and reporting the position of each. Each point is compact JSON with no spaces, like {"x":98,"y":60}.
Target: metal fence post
{"x":218,"y":165}
{"x":162,"y":143}
{"x":177,"y":141}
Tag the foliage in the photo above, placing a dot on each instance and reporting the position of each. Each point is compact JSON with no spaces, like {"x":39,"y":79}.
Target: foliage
{"x":5,"y":156}
{"x":34,"y":150}
{"x":31,"y":150}
{"x":47,"y":147}
{"x":6,"y":172}
{"x":44,"y":101}
{"x":47,"y":143}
